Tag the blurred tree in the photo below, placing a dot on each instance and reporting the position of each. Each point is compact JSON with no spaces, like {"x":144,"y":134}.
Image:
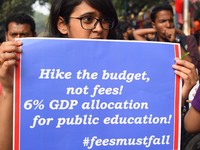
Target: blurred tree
{"x":41,"y":23}
{"x":136,"y":11}
{"x":1,"y":2}
{"x":12,"y":6}
{"x":127,"y":7}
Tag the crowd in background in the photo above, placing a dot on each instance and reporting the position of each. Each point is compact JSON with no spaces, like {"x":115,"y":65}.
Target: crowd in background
{"x":143,"y":20}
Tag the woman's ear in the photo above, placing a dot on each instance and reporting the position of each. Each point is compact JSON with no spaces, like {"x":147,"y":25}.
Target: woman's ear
{"x":61,"y":25}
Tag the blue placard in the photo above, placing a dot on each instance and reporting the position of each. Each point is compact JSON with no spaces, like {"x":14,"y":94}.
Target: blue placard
{"x":75,"y":94}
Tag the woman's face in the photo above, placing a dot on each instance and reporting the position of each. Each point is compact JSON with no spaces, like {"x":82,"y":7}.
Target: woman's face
{"x":74,"y":30}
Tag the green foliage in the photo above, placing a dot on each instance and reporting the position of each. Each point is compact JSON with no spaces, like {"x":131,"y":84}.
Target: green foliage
{"x":126,"y":7}
{"x":42,"y":2}
{"x":12,"y":6}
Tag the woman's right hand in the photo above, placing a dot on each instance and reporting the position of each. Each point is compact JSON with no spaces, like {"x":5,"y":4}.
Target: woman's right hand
{"x":8,"y":60}
{"x":187,"y":71}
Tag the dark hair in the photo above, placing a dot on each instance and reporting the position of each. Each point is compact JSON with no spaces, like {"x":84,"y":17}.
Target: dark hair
{"x":21,"y":19}
{"x":159,"y":8}
{"x":124,"y":25}
{"x":64,"y":8}
{"x":147,"y":25}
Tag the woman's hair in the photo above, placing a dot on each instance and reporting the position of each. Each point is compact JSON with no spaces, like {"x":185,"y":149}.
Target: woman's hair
{"x":159,"y":8}
{"x":64,"y":8}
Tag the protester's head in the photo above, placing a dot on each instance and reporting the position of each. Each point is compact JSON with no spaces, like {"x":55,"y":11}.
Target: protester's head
{"x":125,"y":28}
{"x":162,"y":19}
{"x":82,"y":19}
{"x":19,"y":26}
{"x":158,"y":8}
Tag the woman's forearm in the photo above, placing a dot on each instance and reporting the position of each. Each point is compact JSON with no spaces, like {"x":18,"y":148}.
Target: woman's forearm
{"x":192,"y":120}
{"x":6,"y":115}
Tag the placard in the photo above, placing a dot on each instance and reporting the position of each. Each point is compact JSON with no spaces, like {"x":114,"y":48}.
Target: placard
{"x":76,"y":94}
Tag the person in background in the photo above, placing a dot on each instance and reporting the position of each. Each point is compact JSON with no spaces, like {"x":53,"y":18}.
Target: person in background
{"x":162,"y":17}
{"x":125,"y":30}
{"x":89,"y":19}
{"x":162,"y":25}
{"x":19,"y":25}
